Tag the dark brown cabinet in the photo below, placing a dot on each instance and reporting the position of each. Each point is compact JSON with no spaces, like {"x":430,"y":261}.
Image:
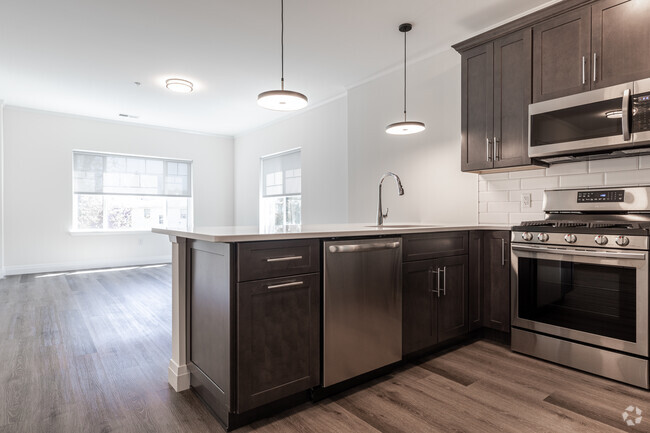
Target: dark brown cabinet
{"x":496,"y":280}
{"x":561,"y":61}
{"x":278,"y":341}
{"x":595,"y":46}
{"x":495,"y":92}
{"x":475,"y":276}
{"x":620,"y":36}
{"x":434,"y":291}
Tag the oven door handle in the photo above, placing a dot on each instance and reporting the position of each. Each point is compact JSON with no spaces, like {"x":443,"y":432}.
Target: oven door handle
{"x":570,"y":252}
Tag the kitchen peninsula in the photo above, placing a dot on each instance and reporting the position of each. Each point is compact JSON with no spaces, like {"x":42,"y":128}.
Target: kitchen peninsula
{"x":254,"y":329}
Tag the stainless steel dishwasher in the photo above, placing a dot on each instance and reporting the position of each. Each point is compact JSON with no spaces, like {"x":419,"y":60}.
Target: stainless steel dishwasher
{"x":362,"y":308}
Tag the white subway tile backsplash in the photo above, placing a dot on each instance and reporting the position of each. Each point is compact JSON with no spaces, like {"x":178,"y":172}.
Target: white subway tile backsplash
{"x":644,"y":161}
{"x":568,"y":168}
{"x":548,"y":182}
{"x":503,"y":185}
{"x":494,"y":218}
{"x":517,"y":218}
{"x":618,"y":164}
{"x":634,"y":177}
{"x":500,"y":193}
{"x":586,"y":180}
{"x":527,"y":173}
{"x":493,"y":196}
{"x":493,"y":176}
{"x":507,"y":206}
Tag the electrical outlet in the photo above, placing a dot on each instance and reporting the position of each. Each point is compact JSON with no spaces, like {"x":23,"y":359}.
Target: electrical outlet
{"x":525,"y":200}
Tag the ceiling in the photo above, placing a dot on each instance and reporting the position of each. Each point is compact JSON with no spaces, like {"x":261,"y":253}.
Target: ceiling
{"x":83,"y":57}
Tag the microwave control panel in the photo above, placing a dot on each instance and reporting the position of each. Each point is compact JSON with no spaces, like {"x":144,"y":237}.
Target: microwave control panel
{"x":641,"y":112}
{"x":611,"y":196}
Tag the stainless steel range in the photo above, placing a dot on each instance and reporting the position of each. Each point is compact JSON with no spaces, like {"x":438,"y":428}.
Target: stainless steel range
{"x":580,"y":282}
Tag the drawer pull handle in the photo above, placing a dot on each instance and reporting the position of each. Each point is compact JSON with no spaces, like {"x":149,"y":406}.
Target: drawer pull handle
{"x":283,"y":259}
{"x":279,"y":286}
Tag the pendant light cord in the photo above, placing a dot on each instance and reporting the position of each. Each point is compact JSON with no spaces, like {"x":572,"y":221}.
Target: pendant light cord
{"x":282,"y":39}
{"x":405,"y":76}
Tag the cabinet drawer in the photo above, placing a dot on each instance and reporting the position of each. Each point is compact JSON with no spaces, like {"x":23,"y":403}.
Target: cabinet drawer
{"x":434,"y":245}
{"x":257,"y":260}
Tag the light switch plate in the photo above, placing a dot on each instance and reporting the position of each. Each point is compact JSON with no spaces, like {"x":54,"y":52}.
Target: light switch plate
{"x":525,"y":200}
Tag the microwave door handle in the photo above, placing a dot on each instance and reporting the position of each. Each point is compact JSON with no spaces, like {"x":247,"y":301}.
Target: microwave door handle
{"x":625,"y":117}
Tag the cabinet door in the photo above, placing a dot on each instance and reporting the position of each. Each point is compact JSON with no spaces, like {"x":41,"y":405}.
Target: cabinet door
{"x":475,"y":276}
{"x":419,"y":326}
{"x":496,"y":286}
{"x":278,"y":341}
{"x":620,"y":37}
{"x":512,"y":94}
{"x":452,"y":303}
{"x":477,"y":108}
{"x":561,"y":55}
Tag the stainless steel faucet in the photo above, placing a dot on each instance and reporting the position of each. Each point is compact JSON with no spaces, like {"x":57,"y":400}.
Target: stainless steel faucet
{"x":400,"y":190}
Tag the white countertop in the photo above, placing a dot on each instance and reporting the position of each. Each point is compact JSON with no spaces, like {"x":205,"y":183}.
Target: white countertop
{"x":252,"y":233}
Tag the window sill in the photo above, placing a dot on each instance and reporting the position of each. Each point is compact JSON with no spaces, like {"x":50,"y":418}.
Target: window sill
{"x":106,"y":232}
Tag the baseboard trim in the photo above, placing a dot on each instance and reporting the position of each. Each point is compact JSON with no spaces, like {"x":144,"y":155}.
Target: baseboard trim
{"x":78,"y":266}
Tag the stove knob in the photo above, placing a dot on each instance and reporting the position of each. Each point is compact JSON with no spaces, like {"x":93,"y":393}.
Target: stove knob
{"x":527,"y":236}
{"x":622,"y":241}
{"x":542,"y":237}
{"x":570,"y":238}
{"x":601,"y":240}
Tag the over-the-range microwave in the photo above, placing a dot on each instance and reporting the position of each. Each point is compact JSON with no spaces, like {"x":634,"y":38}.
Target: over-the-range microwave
{"x":596,"y":122}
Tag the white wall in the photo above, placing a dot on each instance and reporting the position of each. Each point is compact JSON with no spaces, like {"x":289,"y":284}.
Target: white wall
{"x":38,"y":188}
{"x":321,"y":133}
{"x":436,"y":191}
{"x":2,"y":253}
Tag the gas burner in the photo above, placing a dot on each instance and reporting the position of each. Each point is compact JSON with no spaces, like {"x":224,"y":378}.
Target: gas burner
{"x":590,"y":225}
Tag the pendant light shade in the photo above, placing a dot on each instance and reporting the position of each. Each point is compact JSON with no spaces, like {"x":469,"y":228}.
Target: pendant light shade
{"x":405,"y":127}
{"x":282,"y":100}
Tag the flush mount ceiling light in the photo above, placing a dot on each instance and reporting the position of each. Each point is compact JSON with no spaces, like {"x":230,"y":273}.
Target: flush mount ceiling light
{"x":179,"y":85}
{"x":405,"y":127}
{"x":282,"y":100}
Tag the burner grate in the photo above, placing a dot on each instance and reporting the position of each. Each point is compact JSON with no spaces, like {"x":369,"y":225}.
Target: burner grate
{"x":593,"y":225}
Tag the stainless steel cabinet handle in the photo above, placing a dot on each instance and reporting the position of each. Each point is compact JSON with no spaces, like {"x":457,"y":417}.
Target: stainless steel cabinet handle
{"x":488,"y":145}
{"x":503,"y":252}
{"x":584,"y":65}
{"x":363,"y":247}
{"x":594,"y":67}
{"x":279,"y":286}
{"x":444,"y":281}
{"x":437,"y":289}
{"x":283,"y":259}
{"x":586,"y":253}
{"x":625,"y":117}
{"x":497,"y":152}
{"x":438,"y":274}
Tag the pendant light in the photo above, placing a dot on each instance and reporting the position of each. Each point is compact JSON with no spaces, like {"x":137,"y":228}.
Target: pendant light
{"x":405,"y":127}
{"x":282,"y":100}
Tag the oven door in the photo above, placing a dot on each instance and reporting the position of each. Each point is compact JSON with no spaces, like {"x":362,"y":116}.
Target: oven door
{"x":593,"y":296}
{"x":587,"y":122}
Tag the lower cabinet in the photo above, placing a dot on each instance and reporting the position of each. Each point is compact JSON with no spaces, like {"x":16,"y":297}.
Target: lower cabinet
{"x":434,"y":302}
{"x":278,"y":341}
{"x":496,"y":280}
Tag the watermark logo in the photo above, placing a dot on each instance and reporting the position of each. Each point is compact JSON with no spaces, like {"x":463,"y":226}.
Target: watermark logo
{"x":632,"y":416}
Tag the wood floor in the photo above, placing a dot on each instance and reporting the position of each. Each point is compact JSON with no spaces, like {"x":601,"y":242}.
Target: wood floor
{"x":88,"y":352}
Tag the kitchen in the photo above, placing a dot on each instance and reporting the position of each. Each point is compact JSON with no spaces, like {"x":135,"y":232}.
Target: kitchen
{"x":88,"y":298}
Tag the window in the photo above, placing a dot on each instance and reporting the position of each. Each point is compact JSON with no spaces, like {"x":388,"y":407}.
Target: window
{"x":280,"y":204}
{"x":123,"y":192}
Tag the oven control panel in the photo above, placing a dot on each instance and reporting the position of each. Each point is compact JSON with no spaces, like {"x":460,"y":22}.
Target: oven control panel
{"x":611,"y":196}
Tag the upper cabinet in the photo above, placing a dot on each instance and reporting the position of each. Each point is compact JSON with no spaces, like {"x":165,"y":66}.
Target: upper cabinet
{"x":595,"y":46}
{"x":620,"y":37}
{"x":496,"y":91}
{"x":569,"y":47}
{"x":561,"y":61}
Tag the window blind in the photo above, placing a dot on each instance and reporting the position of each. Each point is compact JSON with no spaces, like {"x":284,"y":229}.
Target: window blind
{"x":281,"y":174}
{"x":99,"y":173}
